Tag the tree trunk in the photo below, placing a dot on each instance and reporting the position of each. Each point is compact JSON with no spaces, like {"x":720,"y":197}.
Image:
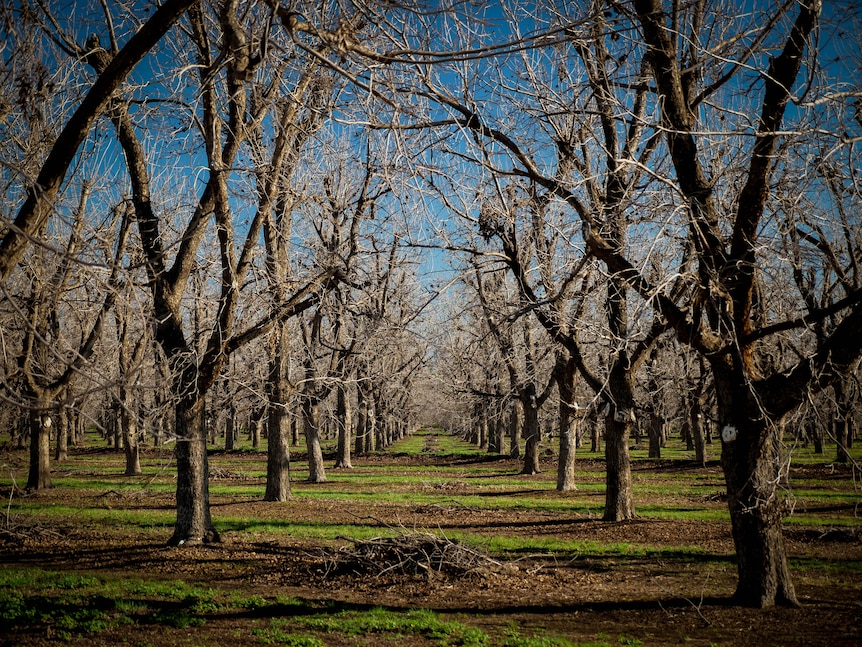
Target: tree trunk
{"x":696,"y":427}
{"x":753,"y":467}
{"x":843,"y":423}
{"x":310,"y":418}
{"x":619,"y":500}
{"x":361,"y":420}
{"x":277,"y":455}
{"x":515,"y":429}
{"x":654,"y":431}
{"x":566,"y":372}
{"x":475,"y":421}
{"x":344,"y":420}
{"x":483,"y":426}
{"x":230,"y":436}
{"x":130,"y":435}
{"x":595,"y":434}
{"x":194,"y":524}
{"x":278,"y":424}
{"x":256,"y":424}
{"x":531,"y":432}
{"x":39,"y":476}
{"x":655,"y":424}
{"x":62,"y":441}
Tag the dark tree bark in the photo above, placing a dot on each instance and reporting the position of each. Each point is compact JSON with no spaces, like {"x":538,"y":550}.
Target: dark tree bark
{"x":566,"y":372}
{"x":39,"y":474}
{"x":749,"y":405}
{"x":194,"y":523}
{"x":344,"y":421}
{"x":843,"y":422}
{"x":63,"y":430}
{"x":278,"y":418}
{"x":619,"y":499}
{"x":36,"y":210}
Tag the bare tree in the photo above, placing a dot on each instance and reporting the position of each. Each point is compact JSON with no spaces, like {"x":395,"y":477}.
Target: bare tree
{"x":35,"y":211}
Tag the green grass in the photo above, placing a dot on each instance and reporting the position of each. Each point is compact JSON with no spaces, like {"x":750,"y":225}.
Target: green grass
{"x":73,"y":605}
{"x":397,"y":625}
{"x":69,"y":606}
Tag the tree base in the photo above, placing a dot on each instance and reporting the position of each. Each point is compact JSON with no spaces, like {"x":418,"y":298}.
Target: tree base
{"x":745,"y":598}
{"x":210,"y":537}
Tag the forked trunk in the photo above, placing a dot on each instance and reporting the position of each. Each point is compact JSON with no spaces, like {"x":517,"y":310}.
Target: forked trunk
{"x":194,"y":524}
{"x":752,"y":463}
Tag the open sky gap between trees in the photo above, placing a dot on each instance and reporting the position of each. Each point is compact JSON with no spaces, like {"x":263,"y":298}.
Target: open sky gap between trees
{"x":596,"y":222}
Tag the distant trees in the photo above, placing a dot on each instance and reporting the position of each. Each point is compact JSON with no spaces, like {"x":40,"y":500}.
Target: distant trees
{"x":657,"y":145}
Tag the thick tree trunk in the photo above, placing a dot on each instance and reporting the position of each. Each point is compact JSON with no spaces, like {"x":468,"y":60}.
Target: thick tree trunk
{"x":39,"y":476}
{"x":194,"y":524}
{"x":277,"y":455}
{"x":62,"y":440}
{"x":255,"y":426}
{"x":475,"y":422}
{"x":483,"y":426}
{"x":361,"y":421}
{"x":655,"y":424}
{"x":344,"y":420}
{"x":654,"y":431}
{"x":230,"y":429}
{"x":310,"y":420}
{"x":515,"y":429}
{"x":498,"y":424}
{"x":278,"y":423}
{"x":595,"y":435}
{"x":370,"y":428}
{"x":619,"y":500}
{"x":531,"y":432}
{"x":753,"y":468}
{"x":843,"y":423}
{"x":130,"y":436}
{"x":566,"y":372}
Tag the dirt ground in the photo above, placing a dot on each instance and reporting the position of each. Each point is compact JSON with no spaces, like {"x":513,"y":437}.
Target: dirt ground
{"x":658,"y":601}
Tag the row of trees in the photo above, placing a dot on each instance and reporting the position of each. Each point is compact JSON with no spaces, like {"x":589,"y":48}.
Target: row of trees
{"x":233,"y":195}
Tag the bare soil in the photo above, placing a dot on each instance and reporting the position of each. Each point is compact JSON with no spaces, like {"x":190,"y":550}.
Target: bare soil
{"x":658,"y":601}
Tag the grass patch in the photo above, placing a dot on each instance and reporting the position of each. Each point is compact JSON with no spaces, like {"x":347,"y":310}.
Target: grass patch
{"x":396,"y":625}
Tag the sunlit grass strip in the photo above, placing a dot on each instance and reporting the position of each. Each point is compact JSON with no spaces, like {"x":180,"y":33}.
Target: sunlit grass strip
{"x":141,"y":518}
{"x":514,"y":545}
{"x":397,"y":624}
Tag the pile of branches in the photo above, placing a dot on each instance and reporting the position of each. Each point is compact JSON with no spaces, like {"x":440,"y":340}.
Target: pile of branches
{"x":409,"y":553}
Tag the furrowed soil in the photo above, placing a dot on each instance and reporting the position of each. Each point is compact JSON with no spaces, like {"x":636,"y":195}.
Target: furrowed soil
{"x":647,"y":594}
